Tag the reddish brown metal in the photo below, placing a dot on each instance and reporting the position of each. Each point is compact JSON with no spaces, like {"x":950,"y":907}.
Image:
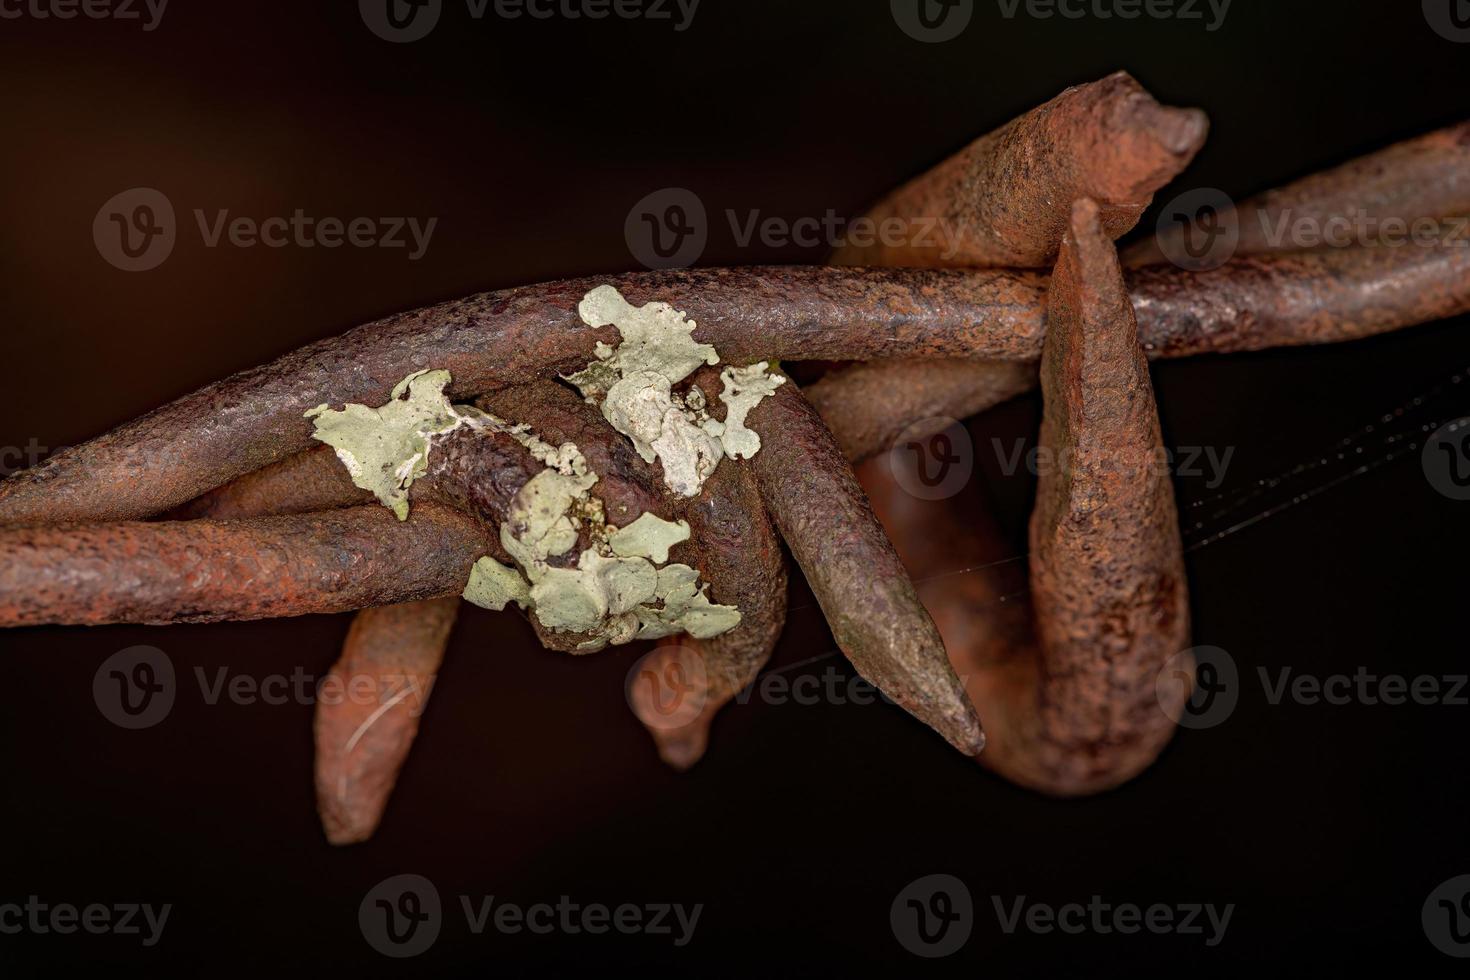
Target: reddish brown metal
{"x":494,"y":340}
{"x":1003,"y":200}
{"x":857,"y":578}
{"x":1077,"y":715}
{"x":369,"y":709}
{"x":1107,"y":566}
{"x":740,"y":555}
{"x":209,"y":571}
{"x":869,"y":405}
{"x":313,"y":479}
{"x":1424,"y":177}
{"x":254,"y":419}
{"x":1250,"y":303}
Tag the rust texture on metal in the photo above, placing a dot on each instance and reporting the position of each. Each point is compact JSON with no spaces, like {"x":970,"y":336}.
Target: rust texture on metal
{"x":1002,"y":201}
{"x":858,"y":580}
{"x":1107,"y":566}
{"x":1423,"y":177}
{"x":1250,"y":303}
{"x":364,"y":729}
{"x":254,"y":419}
{"x":495,"y":340}
{"x":1067,"y":681}
{"x":250,"y":521}
{"x":740,"y":555}
{"x":209,"y":571}
{"x":869,"y":405}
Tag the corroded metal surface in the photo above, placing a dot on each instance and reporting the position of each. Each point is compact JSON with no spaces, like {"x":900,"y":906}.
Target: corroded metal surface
{"x":379,"y":687}
{"x":1424,"y":177}
{"x":1003,"y":200}
{"x":864,"y":591}
{"x":499,"y":339}
{"x":1069,"y":697}
{"x":254,"y":419}
{"x":1250,"y":303}
{"x":211,"y":571}
{"x":869,"y":405}
{"x":1107,"y":566}
{"x":1066,"y":683}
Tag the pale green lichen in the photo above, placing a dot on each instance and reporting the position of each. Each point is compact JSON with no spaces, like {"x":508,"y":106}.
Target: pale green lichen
{"x":685,"y":608}
{"x":614,"y":592}
{"x":743,"y":390}
{"x":635,"y":382}
{"x":492,"y":585}
{"x":650,"y":536}
{"x":580,"y":600}
{"x":541,"y":521}
{"x":385,"y":449}
{"x":656,"y":337}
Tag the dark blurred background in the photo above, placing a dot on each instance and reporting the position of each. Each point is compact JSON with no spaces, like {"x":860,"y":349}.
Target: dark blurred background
{"x":529,"y":140}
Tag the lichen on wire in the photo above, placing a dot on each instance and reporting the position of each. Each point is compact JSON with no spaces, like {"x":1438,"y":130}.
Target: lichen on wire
{"x":622,"y":457}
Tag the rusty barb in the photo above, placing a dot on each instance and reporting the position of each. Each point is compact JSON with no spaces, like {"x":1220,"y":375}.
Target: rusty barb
{"x":652,"y":503}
